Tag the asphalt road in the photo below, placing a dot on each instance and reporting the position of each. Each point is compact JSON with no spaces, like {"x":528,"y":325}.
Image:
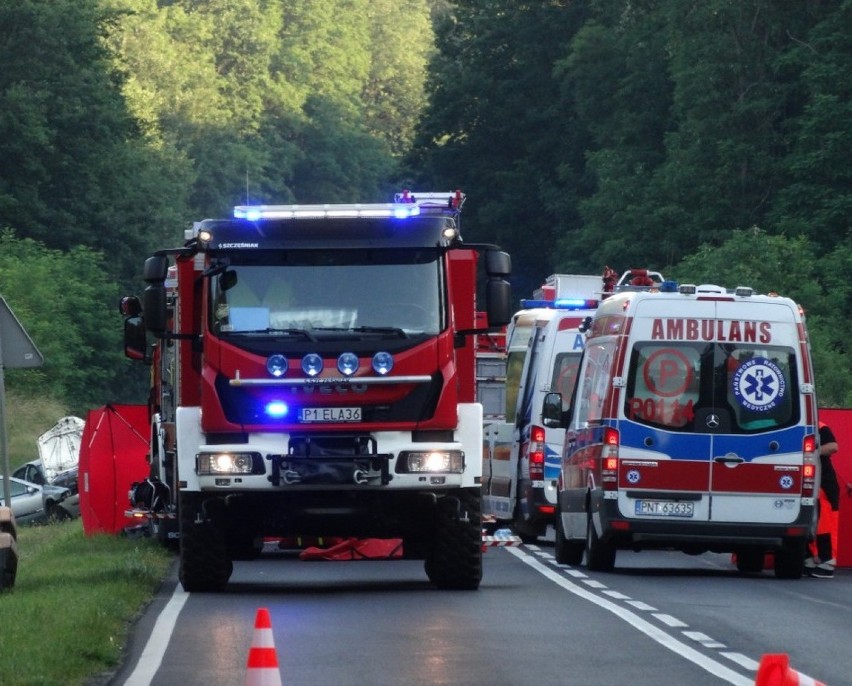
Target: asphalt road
{"x":659,"y":618}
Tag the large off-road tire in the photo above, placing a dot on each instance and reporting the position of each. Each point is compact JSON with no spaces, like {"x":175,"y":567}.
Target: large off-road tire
{"x":600,"y":555}
{"x":567,"y":552}
{"x":790,"y":560}
{"x":454,"y":559}
{"x":204,"y":561}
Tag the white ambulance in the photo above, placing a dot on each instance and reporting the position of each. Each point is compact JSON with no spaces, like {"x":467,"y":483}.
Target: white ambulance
{"x":544,"y":345}
{"x":693,"y":427}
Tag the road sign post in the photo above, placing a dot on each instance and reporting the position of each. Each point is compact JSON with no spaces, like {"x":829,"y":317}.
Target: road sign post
{"x":16,"y":351}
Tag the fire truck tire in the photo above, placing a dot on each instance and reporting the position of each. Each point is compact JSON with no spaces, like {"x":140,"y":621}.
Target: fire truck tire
{"x":790,"y":560}
{"x":567,"y":552}
{"x":454,"y":560}
{"x":204,"y":562}
{"x":600,"y":556}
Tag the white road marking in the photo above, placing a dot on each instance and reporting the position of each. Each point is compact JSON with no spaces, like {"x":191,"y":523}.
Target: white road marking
{"x":152,"y":655}
{"x":664,"y":639}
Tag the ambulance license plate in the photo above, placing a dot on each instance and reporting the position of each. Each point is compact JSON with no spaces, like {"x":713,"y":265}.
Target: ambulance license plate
{"x":330,"y":414}
{"x":665,"y":508}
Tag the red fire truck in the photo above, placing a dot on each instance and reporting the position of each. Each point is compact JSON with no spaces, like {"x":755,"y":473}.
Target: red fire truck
{"x":314,"y":375}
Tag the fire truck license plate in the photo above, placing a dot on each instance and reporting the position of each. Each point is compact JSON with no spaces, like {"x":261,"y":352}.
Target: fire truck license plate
{"x":330,"y":414}
{"x":664,"y":508}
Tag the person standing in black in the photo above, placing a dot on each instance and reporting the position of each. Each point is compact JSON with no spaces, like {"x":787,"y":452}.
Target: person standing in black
{"x":822,"y":564}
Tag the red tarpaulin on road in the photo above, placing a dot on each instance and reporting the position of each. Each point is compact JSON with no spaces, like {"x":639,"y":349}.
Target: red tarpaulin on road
{"x":113,"y":454}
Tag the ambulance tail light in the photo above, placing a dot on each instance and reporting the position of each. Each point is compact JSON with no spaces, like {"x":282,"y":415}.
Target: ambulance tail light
{"x":536,"y":453}
{"x":609,"y":460}
{"x":810,"y":455}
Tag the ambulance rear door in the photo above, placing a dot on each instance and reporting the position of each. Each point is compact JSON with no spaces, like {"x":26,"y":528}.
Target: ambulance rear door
{"x":666,"y":447}
{"x":757,"y":461}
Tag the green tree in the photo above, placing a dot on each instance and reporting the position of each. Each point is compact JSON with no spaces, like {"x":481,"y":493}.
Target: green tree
{"x":76,"y":170}
{"x":492,"y":127}
{"x":787,"y":266}
{"x":816,"y":197}
{"x":67,"y":303}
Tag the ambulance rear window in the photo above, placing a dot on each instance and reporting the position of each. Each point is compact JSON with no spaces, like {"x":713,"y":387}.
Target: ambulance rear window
{"x":712,"y":387}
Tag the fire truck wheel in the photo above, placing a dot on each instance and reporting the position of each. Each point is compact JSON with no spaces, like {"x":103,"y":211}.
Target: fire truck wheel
{"x":600,"y":556}
{"x":790,"y":560}
{"x":454,"y":561}
{"x":567,"y":552}
{"x":204,"y":561}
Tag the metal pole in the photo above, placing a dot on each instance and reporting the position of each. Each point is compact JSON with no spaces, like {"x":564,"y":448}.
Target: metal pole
{"x":4,"y":442}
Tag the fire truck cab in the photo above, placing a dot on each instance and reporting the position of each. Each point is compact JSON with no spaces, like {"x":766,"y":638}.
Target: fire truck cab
{"x":692,"y":427}
{"x":315,"y":376}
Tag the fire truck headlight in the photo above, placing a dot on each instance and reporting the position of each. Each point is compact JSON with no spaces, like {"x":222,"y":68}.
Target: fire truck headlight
{"x":430,"y":461}
{"x":228,"y":463}
{"x":312,"y":364}
{"x":276,"y":365}
{"x":347,"y":364}
{"x":382,"y":363}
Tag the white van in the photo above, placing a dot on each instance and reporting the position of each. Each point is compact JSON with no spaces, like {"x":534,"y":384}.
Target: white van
{"x":543,"y":351}
{"x":693,"y":427}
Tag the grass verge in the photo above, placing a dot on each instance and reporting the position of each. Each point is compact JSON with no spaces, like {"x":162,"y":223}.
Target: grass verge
{"x":67,"y":618}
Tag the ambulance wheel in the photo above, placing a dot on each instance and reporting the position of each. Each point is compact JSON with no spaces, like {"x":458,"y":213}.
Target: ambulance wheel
{"x":454,"y":560}
{"x":790,"y":560}
{"x":567,"y":552}
{"x":204,"y":561}
{"x":600,"y":556}
{"x":750,"y":561}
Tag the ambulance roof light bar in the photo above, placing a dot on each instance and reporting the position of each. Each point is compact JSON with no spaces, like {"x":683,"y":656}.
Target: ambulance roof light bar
{"x":560,"y":304}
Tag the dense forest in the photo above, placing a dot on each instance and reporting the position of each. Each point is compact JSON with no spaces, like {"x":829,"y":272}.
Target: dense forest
{"x":702,"y":138}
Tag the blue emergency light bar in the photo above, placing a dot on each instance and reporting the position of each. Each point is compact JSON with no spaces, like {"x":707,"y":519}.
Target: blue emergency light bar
{"x":374,"y":211}
{"x":561,"y":304}
{"x":406,"y":204}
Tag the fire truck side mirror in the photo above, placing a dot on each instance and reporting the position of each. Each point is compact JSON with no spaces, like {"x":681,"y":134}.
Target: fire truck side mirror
{"x":156,"y":269}
{"x":498,"y":306}
{"x":498,"y":263}
{"x":498,"y":292}
{"x":154,"y":308}
{"x":154,"y":298}
{"x":135,"y":340}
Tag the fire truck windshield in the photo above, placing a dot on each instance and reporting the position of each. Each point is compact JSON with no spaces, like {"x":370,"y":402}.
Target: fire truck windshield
{"x":323,"y":293}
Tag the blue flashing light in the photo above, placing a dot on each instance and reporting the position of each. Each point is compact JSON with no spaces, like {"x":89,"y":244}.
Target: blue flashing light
{"x":561,"y":304}
{"x":669,"y":286}
{"x":575,"y":304}
{"x":277,"y":409}
{"x":406,"y":211}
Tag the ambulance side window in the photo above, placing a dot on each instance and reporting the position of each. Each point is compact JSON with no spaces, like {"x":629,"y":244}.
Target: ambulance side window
{"x":596,"y":381}
{"x":565,"y":369}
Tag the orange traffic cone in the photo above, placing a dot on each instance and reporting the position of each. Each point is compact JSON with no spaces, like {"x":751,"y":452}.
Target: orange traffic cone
{"x":775,"y":670}
{"x":262,"y":659}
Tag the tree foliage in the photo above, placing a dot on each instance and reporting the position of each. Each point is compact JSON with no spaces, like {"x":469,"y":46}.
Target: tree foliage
{"x":652,"y":133}
{"x":656,"y":133}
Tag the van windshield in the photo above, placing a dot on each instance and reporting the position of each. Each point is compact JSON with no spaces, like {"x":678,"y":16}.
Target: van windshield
{"x":712,"y":387}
